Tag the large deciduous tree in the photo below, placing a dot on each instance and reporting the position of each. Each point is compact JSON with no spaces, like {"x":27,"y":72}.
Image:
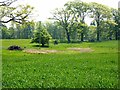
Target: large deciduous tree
{"x":80,"y":11}
{"x":65,"y":18}
{"x":99,"y":12}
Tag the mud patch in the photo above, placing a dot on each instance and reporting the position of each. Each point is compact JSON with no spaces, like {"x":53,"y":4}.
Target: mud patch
{"x":81,"y":49}
{"x":35,"y":51}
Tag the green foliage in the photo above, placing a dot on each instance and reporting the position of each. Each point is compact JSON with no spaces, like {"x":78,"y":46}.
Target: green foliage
{"x":108,"y":30}
{"x":99,"y":13}
{"x":19,"y":14}
{"x":63,"y":16}
{"x":25,"y":30}
{"x":79,"y":9}
{"x":41,"y":36}
{"x":91,"y":35}
{"x":4,"y":31}
{"x":17,"y":31}
{"x":116,"y":18}
{"x":55,"y":30}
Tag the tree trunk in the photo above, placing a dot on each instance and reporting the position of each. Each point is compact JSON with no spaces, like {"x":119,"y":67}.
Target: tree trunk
{"x":18,"y":34}
{"x":116,"y":35}
{"x":98,"y":31}
{"x":98,"y":35}
{"x":82,"y":36}
{"x":68,"y":36}
{"x":43,"y":45}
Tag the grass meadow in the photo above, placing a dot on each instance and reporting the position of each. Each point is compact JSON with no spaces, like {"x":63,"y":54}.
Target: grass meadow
{"x":64,"y":69}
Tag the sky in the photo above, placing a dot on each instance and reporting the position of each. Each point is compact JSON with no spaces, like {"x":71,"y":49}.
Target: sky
{"x":44,"y":7}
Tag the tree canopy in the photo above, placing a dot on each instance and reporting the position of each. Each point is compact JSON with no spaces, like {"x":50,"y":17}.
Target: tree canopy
{"x":17,"y":14}
{"x":41,"y":35}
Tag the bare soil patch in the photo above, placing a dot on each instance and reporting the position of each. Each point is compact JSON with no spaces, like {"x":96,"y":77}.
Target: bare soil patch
{"x":81,"y":49}
{"x":35,"y":51}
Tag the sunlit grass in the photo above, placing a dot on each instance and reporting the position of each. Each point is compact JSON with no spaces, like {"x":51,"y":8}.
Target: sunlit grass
{"x":70,"y":69}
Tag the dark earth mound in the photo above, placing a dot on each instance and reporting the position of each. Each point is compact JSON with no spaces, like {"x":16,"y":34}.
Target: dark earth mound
{"x":14,"y":47}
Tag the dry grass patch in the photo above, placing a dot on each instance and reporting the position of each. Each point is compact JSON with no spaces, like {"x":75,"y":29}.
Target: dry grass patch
{"x":38,"y":51}
{"x":81,"y":49}
{"x":35,"y":51}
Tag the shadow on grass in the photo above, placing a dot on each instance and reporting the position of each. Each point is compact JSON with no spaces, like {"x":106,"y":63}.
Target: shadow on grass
{"x":40,"y":46}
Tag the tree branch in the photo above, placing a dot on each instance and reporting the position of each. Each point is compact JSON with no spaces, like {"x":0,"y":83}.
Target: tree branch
{"x":7,"y":2}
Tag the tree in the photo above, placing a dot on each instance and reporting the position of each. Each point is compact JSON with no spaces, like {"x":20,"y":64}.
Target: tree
{"x":80,"y":11}
{"x":99,"y":12}
{"x":4,"y":32}
{"x":116,"y":18}
{"x":18,"y":14}
{"x":12,"y":32}
{"x":55,"y":30}
{"x":91,"y":34}
{"x":7,"y":2}
{"x":65,"y":18}
{"x":108,"y":30}
{"x":41,"y":36}
{"x":26,"y":30}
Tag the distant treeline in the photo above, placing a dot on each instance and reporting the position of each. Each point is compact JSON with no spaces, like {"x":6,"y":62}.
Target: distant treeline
{"x":69,"y":24}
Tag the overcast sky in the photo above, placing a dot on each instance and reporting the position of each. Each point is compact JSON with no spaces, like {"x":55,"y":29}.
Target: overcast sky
{"x":44,"y":7}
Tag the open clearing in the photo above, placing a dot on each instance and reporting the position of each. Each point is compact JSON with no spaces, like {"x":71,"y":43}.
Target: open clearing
{"x":63,"y":67}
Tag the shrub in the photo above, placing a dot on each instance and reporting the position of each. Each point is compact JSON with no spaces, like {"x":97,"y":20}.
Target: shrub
{"x":41,"y":36}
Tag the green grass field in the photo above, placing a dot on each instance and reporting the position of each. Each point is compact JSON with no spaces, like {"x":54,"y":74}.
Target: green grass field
{"x":67,"y":69}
